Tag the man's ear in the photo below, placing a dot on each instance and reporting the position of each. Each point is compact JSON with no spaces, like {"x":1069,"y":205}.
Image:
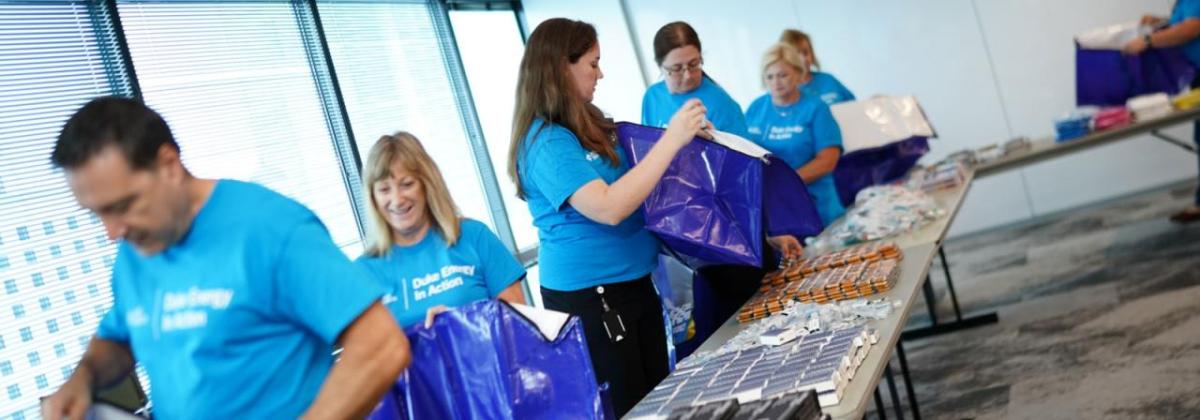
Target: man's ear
{"x":168,"y":163}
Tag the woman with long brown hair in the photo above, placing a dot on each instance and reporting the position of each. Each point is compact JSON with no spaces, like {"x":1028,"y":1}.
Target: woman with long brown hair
{"x":595,"y":256}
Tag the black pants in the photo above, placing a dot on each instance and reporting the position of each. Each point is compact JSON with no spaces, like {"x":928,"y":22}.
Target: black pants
{"x":633,"y":366}
{"x":1196,"y":138}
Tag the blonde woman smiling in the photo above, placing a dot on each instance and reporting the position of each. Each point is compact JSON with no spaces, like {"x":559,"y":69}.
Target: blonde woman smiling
{"x":427,"y":256}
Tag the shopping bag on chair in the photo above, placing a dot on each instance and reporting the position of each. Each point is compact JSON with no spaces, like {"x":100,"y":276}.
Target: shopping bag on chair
{"x":714,"y":203}
{"x":882,"y":139}
{"x":493,"y":360}
{"x":1104,"y":76}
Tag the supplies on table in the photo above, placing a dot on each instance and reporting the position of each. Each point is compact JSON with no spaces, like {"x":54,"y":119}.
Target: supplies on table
{"x":988,"y":153}
{"x":880,"y":212}
{"x":823,"y":362}
{"x":491,"y":359}
{"x":1075,"y":124}
{"x":942,"y":176}
{"x":797,"y":320}
{"x":817,"y":281}
{"x":1187,"y":100}
{"x":882,"y":138}
{"x":967,"y":157}
{"x":1018,"y":144}
{"x":1113,"y":117}
{"x":793,"y":406}
{"x":1148,"y":107}
{"x":1106,"y":76}
{"x":719,"y":198}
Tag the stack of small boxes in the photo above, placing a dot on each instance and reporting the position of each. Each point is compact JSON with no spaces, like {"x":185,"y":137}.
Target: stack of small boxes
{"x":848,"y":274}
{"x":823,"y":362}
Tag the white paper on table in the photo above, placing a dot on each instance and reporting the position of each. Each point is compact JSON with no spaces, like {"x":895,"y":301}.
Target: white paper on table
{"x":739,"y":144}
{"x":549,"y":322}
{"x":880,"y":121}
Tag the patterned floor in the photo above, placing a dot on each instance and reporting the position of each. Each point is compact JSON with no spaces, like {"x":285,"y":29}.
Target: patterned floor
{"x":1099,"y":318}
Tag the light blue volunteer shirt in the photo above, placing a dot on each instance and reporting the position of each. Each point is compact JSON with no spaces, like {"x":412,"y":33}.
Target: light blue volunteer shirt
{"x":576,"y":252}
{"x":1184,"y":10}
{"x":659,"y":105}
{"x":795,"y":133}
{"x":826,"y":87}
{"x":430,"y":273}
{"x":237,"y":319}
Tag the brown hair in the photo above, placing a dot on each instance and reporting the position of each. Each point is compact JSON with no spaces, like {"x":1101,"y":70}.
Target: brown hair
{"x":800,"y":40}
{"x":405,"y":149}
{"x":546,"y":90}
{"x":674,"y":35}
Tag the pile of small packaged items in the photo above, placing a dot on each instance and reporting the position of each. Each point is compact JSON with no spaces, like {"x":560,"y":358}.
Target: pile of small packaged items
{"x":794,"y":406}
{"x":822,"y":362}
{"x":851,"y":273}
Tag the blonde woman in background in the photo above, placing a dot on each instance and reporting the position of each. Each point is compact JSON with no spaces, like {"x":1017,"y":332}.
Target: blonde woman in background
{"x":426,"y":255}
{"x":813,"y":82}
{"x":797,"y":127}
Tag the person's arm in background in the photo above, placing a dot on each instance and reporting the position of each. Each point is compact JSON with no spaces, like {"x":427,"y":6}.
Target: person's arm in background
{"x":105,"y":362}
{"x":374,"y":352}
{"x":821,"y":165}
{"x":611,"y":204}
{"x":827,"y":137}
{"x":317,"y":288}
{"x":1173,"y":36}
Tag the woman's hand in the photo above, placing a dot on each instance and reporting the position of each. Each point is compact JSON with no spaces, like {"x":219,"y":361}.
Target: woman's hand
{"x":432,"y":312}
{"x":1134,"y":47}
{"x":687,"y":123}
{"x":787,"y":245}
{"x":1153,"y":21}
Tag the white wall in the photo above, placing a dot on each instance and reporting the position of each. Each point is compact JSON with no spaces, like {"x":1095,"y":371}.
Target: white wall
{"x":985,"y":71}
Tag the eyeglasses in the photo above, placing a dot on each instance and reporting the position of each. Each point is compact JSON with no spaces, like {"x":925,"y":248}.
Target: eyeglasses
{"x":678,"y":70}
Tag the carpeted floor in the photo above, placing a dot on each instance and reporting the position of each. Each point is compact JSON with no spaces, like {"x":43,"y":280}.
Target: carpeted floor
{"x":1099,"y":318}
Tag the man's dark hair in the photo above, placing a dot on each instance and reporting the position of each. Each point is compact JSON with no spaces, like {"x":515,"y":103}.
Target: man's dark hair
{"x":134,"y":128}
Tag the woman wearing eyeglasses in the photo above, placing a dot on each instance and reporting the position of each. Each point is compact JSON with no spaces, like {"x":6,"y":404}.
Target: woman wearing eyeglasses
{"x":813,"y":82}
{"x":798,"y":128}
{"x":677,"y":52}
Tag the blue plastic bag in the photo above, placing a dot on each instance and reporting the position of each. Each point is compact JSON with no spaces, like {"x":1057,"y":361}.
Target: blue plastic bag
{"x":1109,"y":77}
{"x":713,"y":205}
{"x":863,"y":168}
{"x":487,"y":360}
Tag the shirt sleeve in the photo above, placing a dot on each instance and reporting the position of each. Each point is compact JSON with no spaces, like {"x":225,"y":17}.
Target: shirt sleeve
{"x":847,"y":95}
{"x":826,"y":132}
{"x":500,"y":268}
{"x":317,"y":286}
{"x":112,"y":326}
{"x":1186,"y":9}
{"x":647,"y":119}
{"x":557,"y":164}
{"x":730,"y":118}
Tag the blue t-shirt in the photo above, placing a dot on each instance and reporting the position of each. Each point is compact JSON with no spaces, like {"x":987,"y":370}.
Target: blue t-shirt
{"x":826,"y":87}
{"x":795,"y":133}
{"x":577,"y":252}
{"x":659,"y":105}
{"x":238,"y":318}
{"x":430,"y":273}
{"x":1184,"y":10}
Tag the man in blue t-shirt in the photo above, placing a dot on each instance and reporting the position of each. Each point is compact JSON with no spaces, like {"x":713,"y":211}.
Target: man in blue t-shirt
{"x":231,"y":296}
{"x":1181,"y":30}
